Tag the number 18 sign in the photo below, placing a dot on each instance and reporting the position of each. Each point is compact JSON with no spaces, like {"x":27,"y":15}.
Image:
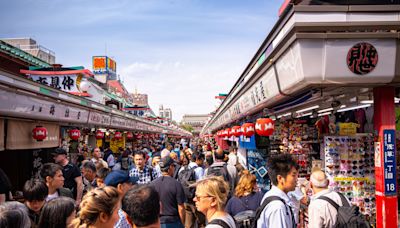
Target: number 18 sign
{"x":389,"y":152}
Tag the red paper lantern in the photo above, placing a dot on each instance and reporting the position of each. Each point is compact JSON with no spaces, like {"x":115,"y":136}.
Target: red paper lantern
{"x":236,"y":131}
{"x":39,"y":133}
{"x":129,"y":135}
{"x":118,"y":135}
{"x":265,"y":126}
{"x":99,"y":134}
{"x":74,"y":134}
{"x":248,"y":129}
{"x":228,"y":132}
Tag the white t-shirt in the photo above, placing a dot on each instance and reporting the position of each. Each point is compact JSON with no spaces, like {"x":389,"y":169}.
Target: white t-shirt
{"x":52,"y":196}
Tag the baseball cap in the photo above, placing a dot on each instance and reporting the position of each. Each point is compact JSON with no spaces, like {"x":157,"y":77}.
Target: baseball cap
{"x":156,"y":154}
{"x":119,"y":177}
{"x":59,"y":151}
{"x":166,"y":162}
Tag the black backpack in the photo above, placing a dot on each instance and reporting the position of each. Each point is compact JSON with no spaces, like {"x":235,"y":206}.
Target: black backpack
{"x":187,"y":178}
{"x":245,"y":219}
{"x":268,"y":200}
{"x":219,"y":171}
{"x":220,"y":222}
{"x":348,"y":216}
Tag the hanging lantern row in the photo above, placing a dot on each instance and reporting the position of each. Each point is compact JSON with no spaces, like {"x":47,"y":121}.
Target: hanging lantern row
{"x":263,"y":127}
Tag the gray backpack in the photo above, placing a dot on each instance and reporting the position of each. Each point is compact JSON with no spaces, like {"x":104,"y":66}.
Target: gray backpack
{"x":348,"y":216}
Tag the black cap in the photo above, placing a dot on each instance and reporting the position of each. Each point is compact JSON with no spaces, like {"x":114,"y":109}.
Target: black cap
{"x":166,"y":162}
{"x":59,"y":151}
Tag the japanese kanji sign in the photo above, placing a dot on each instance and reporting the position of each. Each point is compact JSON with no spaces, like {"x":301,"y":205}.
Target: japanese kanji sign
{"x":362,"y":58}
{"x":389,"y":162}
{"x":67,"y":83}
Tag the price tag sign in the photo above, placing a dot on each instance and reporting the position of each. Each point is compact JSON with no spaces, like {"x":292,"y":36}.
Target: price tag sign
{"x":389,"y":161}
{"x":348,"y":128}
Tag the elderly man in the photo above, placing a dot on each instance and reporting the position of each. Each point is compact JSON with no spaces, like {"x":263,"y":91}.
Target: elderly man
{"x":320,"y":212}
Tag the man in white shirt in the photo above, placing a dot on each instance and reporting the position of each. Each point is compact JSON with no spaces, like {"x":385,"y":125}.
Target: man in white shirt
{"x":97,"y":159}
{"x":320,"y":212}
{"x":283,"y":173}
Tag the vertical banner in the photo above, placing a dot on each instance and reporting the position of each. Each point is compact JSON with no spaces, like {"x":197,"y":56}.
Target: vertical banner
{"x":389,"y":161}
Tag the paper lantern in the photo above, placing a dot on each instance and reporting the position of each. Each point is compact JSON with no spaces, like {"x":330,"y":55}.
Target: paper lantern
{"x":99,"y":134}
{"x":236,"y":131}
{"x":129,"y":135}
{"x":248,"y":129}
{"x":74,"y":134}
{"x":265,"y":126}
{"x":39,"y":133}
{"x":228,"y":132}
{"x":118,"y":135}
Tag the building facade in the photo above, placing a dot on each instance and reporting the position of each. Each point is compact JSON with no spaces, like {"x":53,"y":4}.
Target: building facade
{"x":197,"y":121}
{"x":30,"y":46}
{"x":165,"y":113}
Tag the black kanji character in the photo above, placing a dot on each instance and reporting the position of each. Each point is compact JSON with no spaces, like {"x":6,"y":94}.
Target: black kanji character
{"x":52,"y":110}
{"x":55,"y":82}
{"x":68,"y":82}
{"x":42,"y":80}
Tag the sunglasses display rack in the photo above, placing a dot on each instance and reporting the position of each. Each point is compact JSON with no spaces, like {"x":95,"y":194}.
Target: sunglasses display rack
{"x":349,"y":165}
{"x":295,"y":137}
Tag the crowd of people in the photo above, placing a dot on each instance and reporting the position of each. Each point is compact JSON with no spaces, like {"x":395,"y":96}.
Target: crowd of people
{"x":168,"y":186}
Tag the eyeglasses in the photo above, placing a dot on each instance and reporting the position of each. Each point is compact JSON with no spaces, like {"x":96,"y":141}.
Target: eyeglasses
{"x":199,"y":197}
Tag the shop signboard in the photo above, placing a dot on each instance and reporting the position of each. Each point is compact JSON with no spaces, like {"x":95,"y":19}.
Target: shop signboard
{"x":104,"y":65}
{"x":27,"y":106}
{"x":99,"y":119}
{"x":69,"y":82}
{"x":348,"y":129}
{"x":389,"y":161}
{"x":117,"y":122}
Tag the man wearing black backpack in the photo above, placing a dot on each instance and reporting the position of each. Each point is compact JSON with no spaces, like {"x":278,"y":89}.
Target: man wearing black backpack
{"x":221,"y":168}
{"x":275,"y":210}
{"x":330,"y":209}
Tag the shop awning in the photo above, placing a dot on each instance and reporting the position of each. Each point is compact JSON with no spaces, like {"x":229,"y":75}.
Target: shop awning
{"x":19,"y":135}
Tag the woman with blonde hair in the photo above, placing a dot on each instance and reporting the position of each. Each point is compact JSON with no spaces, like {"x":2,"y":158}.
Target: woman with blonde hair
{"x":246,"y":197}
{"x":99,"y":208}
{"x":210,"y":198}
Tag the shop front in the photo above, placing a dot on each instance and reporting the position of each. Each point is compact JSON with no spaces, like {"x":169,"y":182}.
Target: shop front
{"x":331,"y":86}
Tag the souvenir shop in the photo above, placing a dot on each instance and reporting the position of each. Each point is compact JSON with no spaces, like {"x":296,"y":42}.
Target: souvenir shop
{"x":330,"y":84}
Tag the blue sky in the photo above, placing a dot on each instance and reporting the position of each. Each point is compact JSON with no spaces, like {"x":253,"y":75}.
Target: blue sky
{"x":180,"y":52}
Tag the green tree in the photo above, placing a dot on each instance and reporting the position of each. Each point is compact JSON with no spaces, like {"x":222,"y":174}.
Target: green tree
{"x":187,"y":127}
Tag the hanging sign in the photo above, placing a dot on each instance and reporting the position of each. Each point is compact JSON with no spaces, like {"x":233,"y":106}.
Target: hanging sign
{"x":389,"y":161}
{"x":348,"y":128}
{"x":362,"y":58}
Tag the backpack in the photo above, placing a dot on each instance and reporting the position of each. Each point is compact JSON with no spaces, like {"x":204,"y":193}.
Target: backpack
{"x":244,"y":219}
{"x":187,"y":177}
{"x":268,"y":200}
{"x":348,"y":216}
{"x":219,"y":171}
{"x":220,"y":222}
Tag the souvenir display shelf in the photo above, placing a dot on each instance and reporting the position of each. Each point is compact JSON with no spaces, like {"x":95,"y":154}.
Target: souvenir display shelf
{"x":349,"y":165}
{"x":295,"y":137}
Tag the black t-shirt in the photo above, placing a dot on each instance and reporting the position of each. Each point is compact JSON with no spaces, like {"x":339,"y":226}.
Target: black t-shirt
{"x":70,"y":172}
{"x":171,"y":194}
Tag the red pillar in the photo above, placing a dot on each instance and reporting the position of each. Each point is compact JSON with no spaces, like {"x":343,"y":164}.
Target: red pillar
{"x":384,"y":124}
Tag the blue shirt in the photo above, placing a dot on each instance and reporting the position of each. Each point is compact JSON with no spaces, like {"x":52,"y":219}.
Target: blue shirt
{"x":144,"y":175}
{"x":122,"y":222}
{"x":276,"y":214}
